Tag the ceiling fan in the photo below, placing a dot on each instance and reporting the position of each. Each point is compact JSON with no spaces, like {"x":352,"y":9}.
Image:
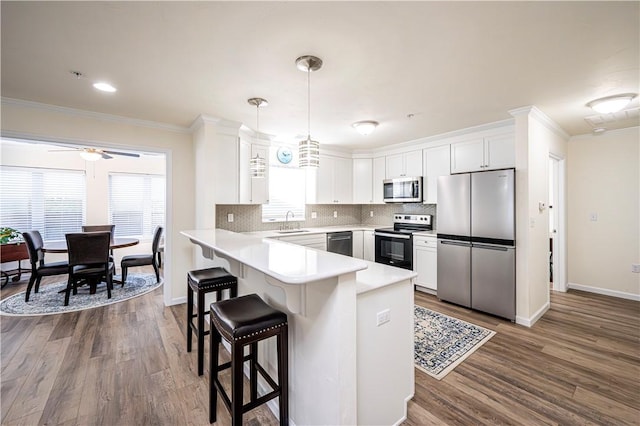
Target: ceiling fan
{"x":94,"y":154}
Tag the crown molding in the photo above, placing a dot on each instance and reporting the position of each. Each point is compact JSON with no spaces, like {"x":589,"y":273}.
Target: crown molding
{"x":95,"y":115}
{"x":541,"y":116}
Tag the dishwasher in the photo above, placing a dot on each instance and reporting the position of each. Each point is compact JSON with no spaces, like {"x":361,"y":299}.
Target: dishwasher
{"x":340,"y":242}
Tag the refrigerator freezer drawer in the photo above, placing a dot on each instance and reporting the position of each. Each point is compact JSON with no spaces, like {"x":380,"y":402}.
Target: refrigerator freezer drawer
{"x":493,"y":280}
{"x":454,"y":266}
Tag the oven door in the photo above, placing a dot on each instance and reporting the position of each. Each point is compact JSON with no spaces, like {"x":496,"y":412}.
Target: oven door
{"x":394,"y":249}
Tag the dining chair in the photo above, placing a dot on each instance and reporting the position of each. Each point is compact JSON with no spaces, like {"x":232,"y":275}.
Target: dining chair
{"x":99,"y":228}
{"x":39,"y":268}
{"x":89,"y":260}
{"x":143,"y":259}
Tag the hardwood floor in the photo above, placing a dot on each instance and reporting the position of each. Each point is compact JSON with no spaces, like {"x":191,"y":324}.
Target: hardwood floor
{"x":579,"y":364}
{"x":127,"y":364}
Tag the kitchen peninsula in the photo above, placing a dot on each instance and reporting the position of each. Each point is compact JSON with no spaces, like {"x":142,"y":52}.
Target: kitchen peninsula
{"x":350,"y":326}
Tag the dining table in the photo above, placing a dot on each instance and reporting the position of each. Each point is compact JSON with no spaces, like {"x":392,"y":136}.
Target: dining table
{"x":60,"y":246}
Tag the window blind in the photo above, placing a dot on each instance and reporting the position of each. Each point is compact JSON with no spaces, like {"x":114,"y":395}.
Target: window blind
{"x":51,"y":201}
{"x":136,"y":203}
{"x":286,"y":193}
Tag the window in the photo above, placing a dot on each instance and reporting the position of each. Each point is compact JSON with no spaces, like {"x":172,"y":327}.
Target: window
{"x":136,"y":204}
{"x":286,"y":191}
{"x":52,"y":201}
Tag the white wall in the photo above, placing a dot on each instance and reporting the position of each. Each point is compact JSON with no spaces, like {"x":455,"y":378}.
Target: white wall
{"x":44,"y":122}
{"x":536,"y":137}
{"x":604,"y":178}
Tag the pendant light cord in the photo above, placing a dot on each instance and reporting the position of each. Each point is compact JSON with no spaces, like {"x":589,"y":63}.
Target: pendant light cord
{"x":309,"y":102}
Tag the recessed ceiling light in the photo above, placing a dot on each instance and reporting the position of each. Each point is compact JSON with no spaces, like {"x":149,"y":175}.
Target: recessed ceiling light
{"x":611,"y":104}
{"x":365,"y":127}
{"x":104,"y":87}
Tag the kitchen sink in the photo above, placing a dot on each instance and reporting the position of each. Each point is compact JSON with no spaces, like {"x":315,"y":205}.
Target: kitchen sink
{"x":291,"y":231}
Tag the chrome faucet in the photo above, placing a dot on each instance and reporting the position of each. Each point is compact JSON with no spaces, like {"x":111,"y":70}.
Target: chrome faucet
{"x":286,"y":221}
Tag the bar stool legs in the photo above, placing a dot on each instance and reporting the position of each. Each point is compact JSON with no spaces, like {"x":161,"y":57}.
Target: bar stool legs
{"x":230,"y":319}
{"x":201,"y":282}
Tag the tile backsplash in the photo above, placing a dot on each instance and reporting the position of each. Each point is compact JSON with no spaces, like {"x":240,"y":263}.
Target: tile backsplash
{"x":249,"y":217}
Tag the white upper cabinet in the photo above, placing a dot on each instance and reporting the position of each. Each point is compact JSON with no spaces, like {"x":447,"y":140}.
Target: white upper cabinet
{"x":379,"y":175}
{"x":404,"y":164}
{"x":252,"y":190}
{"x":436,"y":163}
{"x":483,"y":153}
{"x":363,"y":181}
{"x":334,"y":181}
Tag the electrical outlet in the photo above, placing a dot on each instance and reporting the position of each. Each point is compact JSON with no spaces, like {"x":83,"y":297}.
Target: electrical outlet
{"x":230,"y":217}
{"x":383,"y":317}
{"x":314,"y":215}
{"x":370,"y":213}
{"x":335,"y":213}
{"x":593,"y":217}
{"x":635,"y":268}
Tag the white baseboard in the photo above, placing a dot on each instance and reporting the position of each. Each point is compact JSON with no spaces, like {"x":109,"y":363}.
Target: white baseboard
{"x":605,"y":291}
{"x":178,"y":301}
{"x":406,"y":410}
{"x":528,"y":322}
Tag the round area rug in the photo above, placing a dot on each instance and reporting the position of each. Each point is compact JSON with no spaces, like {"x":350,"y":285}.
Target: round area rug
{"x":48,"y":301}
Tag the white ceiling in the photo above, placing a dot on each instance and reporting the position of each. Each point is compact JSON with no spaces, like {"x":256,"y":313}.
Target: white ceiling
{"x":451,"y":64}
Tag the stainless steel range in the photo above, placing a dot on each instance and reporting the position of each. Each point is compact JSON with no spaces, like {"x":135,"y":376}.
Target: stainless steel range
{"x":394,"y":246}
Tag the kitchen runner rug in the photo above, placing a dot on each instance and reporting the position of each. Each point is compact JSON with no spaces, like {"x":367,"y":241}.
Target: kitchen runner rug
{"x":442,"y":342}
{"x":48,"y":301}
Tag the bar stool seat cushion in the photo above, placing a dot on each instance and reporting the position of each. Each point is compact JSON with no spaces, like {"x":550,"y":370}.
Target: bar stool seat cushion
{"x":210,"y":278}
{"x":245,"y":316}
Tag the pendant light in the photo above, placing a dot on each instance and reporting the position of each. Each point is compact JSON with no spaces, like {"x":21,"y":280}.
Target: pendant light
{"x":257,"y":164}
{"x":309,"y":150}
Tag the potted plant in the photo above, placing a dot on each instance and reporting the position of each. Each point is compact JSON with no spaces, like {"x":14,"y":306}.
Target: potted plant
{"x":9,"y":235}
{"x":12,"y":249}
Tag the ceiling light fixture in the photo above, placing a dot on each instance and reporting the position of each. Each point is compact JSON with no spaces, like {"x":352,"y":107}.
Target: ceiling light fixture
{"x":365,"y":127}
{"x":309,"y":150}
{"x":257,"y":164}
{"x":611,"y":104}
{"x":90,"y":154}
{"x":104,"y":87}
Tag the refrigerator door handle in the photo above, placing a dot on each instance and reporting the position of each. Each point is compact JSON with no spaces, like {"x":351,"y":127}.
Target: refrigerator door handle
{"x":491,"y":247}
{"x":456,"y":243}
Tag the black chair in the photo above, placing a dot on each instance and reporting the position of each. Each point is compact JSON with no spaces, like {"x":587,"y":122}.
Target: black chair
{"x":39,"y":268}
{"x":132,"y":260}
{"x":99,"y":228}
{"x":89,"y":260}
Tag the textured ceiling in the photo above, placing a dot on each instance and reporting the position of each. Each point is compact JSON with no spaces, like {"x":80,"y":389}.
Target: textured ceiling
{"x":451,"y":64}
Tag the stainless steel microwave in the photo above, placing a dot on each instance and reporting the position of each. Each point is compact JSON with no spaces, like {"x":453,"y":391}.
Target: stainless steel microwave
{"x":402,"y":190}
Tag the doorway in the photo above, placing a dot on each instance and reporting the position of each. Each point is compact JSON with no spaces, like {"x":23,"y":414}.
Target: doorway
{"x":557,"y":228}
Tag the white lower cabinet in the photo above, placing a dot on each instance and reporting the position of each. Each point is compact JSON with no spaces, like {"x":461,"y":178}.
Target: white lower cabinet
{"x":425,"y":262}
{"x":317,"y":241}
{"x":368,"y":246}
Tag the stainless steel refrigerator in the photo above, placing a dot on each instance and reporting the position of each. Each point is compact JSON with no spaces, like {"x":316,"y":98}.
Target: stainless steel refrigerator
{"x":476,"y":241}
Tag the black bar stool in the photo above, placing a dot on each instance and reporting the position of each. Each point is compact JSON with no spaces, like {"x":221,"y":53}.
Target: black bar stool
{"x":201,"y":282}
{"x":244,"y":321}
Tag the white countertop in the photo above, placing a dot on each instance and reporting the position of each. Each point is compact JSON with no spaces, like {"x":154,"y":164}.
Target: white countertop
{"x":309,"y":231}
{"x":288,"y":263}
{"x":295,"y":264}
{"x":433,"y":233}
